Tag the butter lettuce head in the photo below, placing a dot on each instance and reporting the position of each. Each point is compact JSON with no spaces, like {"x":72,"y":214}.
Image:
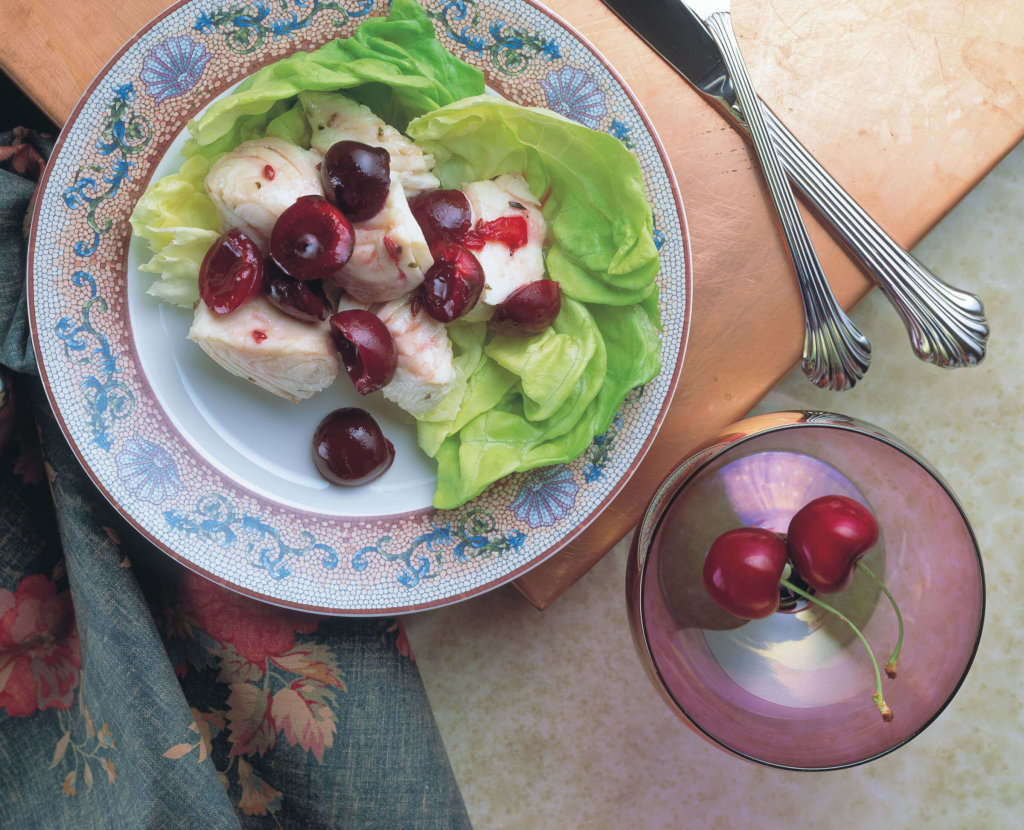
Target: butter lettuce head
{"x":518,"y":403}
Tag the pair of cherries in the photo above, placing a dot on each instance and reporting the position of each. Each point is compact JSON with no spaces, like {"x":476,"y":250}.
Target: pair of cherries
{"x":824,"y":544}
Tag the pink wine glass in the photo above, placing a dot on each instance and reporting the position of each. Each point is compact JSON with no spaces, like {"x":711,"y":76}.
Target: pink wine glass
{"x":794,"y":690}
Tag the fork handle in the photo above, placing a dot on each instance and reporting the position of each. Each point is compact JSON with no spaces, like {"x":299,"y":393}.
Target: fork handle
{"x":947,"y":326}
{"x":836,"y":354}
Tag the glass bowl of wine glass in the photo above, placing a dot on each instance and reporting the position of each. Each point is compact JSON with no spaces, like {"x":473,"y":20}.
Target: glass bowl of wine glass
{"x":795,"y":689}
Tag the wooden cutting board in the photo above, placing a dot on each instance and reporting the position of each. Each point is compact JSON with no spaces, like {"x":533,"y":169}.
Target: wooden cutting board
{"x":908,"y":105}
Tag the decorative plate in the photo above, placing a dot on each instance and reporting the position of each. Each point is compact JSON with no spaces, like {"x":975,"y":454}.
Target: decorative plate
{"x":214,"y":471}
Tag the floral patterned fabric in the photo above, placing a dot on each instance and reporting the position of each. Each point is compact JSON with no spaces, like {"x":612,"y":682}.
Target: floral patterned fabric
{"x":135,"y":694}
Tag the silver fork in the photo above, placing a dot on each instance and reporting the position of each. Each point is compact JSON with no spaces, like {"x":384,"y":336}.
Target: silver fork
{"x":836,"y":355}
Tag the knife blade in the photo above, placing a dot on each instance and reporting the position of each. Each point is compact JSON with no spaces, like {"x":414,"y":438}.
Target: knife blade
{"x":676,"y":34}
{"x":946,"y":325}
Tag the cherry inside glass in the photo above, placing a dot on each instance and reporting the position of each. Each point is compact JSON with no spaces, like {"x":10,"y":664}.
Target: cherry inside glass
{"x":794,"y":690}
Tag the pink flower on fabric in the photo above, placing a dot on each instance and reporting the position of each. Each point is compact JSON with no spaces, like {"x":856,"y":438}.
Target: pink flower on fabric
{"x":24,"y":158}
{"x":401,"y":638}
{"x":256,"y":630}
{"x":40,"y":654}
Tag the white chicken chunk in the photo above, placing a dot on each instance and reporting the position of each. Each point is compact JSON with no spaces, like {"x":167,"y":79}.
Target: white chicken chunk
{"x":426,"y":367}
{"x":254,"y":183}
{"x":504,"y":270}
{"x":262,"y":344}
{"x":390,"y":255}
{"x":334,"y":117}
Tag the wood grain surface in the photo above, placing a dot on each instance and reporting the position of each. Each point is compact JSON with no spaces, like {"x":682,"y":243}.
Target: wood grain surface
{"x":908,"y":105}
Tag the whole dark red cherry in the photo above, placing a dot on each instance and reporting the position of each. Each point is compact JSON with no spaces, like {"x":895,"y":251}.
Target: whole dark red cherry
{"x":302,"y":299}
{"x":357,"y":178}
{"x":827,"y":537}
{"x":311,"y":239}
{"x":231,"y":273}
{"x":367,"y":349}
{"x":528,"y":310}
{"x":453,"y":284}
{"x":742,"y":571}
{"x":442,"y":214}
{"x":349,"y":448}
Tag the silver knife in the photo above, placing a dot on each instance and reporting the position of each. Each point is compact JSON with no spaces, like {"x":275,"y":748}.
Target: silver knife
{"x":947,"y":326}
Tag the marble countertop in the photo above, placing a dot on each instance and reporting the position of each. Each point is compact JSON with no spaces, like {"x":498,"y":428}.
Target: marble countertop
{"x":550,"y":721}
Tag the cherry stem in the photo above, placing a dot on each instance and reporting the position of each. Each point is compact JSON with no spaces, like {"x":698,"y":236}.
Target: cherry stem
{"x":877,"y":697}
{"x":890,"y":667}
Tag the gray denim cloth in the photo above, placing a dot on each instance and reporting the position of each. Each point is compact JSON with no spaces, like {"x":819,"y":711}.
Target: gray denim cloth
{"x":134,"y":694}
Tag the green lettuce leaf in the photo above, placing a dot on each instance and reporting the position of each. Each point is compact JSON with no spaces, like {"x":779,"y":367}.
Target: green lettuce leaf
{"x":550,"y":364}
{"x":492,"y":441}
{"x":395,"y":65}
{"x":179,"y":221}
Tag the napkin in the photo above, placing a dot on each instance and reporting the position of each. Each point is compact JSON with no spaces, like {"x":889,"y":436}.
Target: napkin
{"x":136,"y":694}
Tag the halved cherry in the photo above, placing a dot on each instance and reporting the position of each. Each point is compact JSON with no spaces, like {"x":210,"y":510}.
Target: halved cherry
{"x":453,"y":284}
{"x":312,"y":239}
{"x":442,"y":214}
{"x":303,"y":300}
{"x":367,"y":349}
{"x":231,"y":273}
{"x":528,"y":310}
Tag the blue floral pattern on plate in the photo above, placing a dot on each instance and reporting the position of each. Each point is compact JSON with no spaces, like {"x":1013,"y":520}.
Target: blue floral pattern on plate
{"x":173,"y":67}
{"x":575,"y":94}
{"x":148,"y":471}
{"x":546,"y":495}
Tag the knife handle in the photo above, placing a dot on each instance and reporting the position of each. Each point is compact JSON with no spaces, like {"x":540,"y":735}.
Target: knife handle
{"x":947,"y":326}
